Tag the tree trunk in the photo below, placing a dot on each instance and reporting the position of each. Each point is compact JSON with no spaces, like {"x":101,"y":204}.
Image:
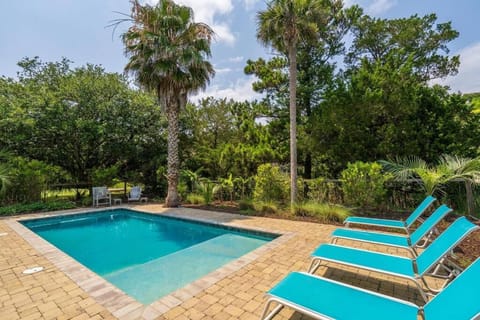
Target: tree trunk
{"x":173,"y":161}
{"x":470,"y":200}
{"x":292,"y":56}
{"x":308,"y":172}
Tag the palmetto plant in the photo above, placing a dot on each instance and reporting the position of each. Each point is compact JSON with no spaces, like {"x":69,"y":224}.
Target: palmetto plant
{"x":192,"y":178}
{"x":4,"y":178}
{"x":167,"y":54}
{"x":433,"y":179}
{"x":4,"y":172}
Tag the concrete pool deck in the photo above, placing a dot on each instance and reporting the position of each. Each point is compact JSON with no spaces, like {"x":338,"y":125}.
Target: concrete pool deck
{"x":67,"y":290}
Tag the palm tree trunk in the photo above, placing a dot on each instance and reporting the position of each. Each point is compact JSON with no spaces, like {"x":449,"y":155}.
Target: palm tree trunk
{"x":292,"y":55}
{"x":173,"y":162}
{"x":470,"y":199}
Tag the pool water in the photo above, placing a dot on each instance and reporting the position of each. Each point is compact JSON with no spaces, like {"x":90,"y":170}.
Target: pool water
{"x":145,"y":255}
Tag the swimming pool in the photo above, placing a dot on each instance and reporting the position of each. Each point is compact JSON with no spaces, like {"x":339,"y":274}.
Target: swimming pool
{"x":147,"y":256}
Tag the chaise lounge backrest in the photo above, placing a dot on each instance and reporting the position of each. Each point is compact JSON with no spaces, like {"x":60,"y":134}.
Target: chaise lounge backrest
{"x":445,"y":242}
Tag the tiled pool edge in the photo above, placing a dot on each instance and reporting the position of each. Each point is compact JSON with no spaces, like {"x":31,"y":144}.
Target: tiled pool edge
{"x":116,"y":301}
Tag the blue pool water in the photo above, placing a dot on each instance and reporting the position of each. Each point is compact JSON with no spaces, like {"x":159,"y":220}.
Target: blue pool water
{"x":147,"y":256}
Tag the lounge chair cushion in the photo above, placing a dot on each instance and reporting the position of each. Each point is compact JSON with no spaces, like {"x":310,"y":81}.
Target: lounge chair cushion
{"x":395,"y":239}
{"x":370,"y":260}
{"x":374,"y":237}
{"x":394,"y":223}
{"x":334,"y":300}
{"x":459,"y":300}
{"x":376,"y":222}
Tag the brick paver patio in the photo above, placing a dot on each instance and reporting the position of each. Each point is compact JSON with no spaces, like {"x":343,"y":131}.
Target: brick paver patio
{"x":67,"y":290}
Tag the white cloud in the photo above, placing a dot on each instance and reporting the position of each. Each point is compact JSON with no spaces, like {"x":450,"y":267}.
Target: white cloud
{"x":222,"y":70}
{"x":380,"y":6}
{"x":250,"y":4}
{"x":209,"y":11}
{"x":372,"y":7}
{"x":467,"y":79}
{"x":237,"y":59}
{"x":223,"y":33}
{"x":241,"y":90}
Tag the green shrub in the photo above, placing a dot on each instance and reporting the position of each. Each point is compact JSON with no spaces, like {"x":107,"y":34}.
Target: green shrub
{"x":363,"y":184}
{"x":269,"y":207}
{"x":194,"y":198}
{"x":182,"y":189}
{"x":29,"y":179}
{"x":104,"y":176}
{"x":322,"y":211}
{"x":271,"y":184}
{"x":322,"y":190}
{"x":207,"y":190}
{"x":36,"y":207}
{"x":245,"y":204}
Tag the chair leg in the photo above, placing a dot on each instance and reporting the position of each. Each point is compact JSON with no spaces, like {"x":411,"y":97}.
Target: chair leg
{"x":275,"y":310}
{"x":413,"y":252}
{"x":420,"y":289}
{"x":314,"y":265}
{"x":448,"y":278}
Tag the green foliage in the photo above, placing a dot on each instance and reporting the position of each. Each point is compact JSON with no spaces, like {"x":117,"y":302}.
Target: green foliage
{"x":29,"y":179}
{"x":324,"y":212}
{"x":4,"y":178}
{"x":322,"y":190}
{"x":415,"y":169}
{"x":207,"y":190}
{"x":419,"y":41}
{"x":270,"y":184}
{"x":474,"y":100}
{"x":36,"y":207}
{"x":243,"y":186}
{"x":226,"y":137}
{"x":191,"y":178}
{"x":434,"y":178}
{"x":383,"y":111}
{"x":226,"y":189}
{"x":81,"y":119}
{"x":266,"y":207}
{"x":104,"y":176}
{"x":363,"y":184}
{"x":194,"y":198}
{"x":246,"y":205}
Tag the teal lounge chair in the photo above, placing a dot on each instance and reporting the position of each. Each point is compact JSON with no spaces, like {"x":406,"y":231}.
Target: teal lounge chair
{"x":394,"y":240}
{"x":326,"y":299}
{"x":397,"y":224}
{"x":410,"y":269}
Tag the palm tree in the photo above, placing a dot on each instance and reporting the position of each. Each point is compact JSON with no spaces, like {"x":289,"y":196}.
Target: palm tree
{"x":167,"y":54}
{"x":283,"y":26}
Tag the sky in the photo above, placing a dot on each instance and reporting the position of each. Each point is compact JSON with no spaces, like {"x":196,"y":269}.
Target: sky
{"x":78,"y":30}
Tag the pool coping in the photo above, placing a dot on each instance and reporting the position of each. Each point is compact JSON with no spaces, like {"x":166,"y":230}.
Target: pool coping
{"x":115,"y":300}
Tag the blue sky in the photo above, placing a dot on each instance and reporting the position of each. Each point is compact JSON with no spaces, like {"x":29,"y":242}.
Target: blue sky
{"x":76,"y":29}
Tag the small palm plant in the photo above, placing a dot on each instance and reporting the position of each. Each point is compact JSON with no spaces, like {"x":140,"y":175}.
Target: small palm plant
{"x":433,"y":179}
{"x":4,"y":172}
{"x":4,"y":178}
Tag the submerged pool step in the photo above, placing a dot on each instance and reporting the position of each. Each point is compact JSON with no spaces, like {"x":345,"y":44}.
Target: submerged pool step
{"x":149,"y":281}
